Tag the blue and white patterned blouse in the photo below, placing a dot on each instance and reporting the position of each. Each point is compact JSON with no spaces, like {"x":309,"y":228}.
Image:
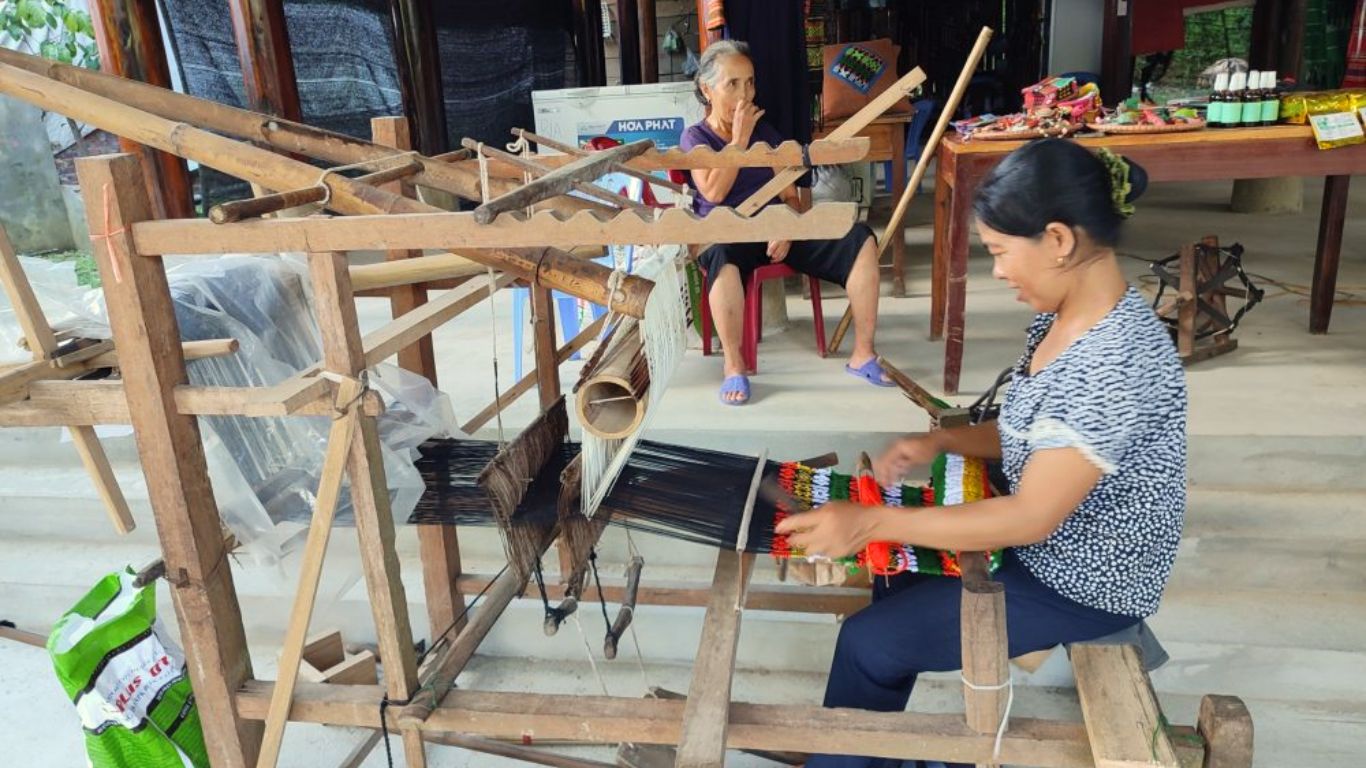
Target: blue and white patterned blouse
{"x":1117,"y":394}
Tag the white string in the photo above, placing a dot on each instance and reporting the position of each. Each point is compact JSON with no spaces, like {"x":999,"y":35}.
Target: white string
{"x":493,"y":315}
{"x":588,"y":649}
{"x":635,"y":641}
{"x":1009,"y":686}
{"x":322,"y":177}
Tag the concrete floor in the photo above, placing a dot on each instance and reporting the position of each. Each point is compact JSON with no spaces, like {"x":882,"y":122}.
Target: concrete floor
{"x":1268,"y":600}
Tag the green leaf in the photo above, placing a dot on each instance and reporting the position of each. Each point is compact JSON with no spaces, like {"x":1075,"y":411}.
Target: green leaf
{"x":72,"y":22}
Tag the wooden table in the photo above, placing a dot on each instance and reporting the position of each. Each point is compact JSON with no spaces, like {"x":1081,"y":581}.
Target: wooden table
{"x":887,"y":141}
{"x":1209,"y":155}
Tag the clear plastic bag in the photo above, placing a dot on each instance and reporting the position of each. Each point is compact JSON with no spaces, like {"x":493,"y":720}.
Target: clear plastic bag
{"x":67,"y":305}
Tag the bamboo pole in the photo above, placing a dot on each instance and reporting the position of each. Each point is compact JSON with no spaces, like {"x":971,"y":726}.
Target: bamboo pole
{"x":921,"y":165}
{"x":552,"y":267}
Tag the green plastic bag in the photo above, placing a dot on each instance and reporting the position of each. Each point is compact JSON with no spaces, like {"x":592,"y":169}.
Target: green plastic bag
{"x":127,"y":679}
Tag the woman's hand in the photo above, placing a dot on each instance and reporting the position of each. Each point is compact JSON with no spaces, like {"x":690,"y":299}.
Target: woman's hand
{"x":742,"y":123}
{"x":904,"y":454}
{"x":836,"y":529}
{"x":777,"y":250}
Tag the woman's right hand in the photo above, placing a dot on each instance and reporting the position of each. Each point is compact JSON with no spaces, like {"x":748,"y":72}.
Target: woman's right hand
{"x":742,"y":123}
{"x":904,"y":454}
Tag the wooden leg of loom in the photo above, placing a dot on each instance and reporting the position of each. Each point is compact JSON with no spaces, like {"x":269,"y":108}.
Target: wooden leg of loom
{"x":439,"y":545}
{"x":343,"y":353}
{"x":986,"y":670}
{"x":187,"y":523}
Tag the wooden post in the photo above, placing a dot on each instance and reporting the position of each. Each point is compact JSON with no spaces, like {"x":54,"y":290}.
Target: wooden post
{"x":438,"y":545}
{"x":628,"y":41}
{"x":706,"y":717}
{"x":344,"y":353}
{"x":258,"y":26}
{"x":649,"y":41}
{"x":143,"y":321}
{"x":591,"y":65}
{"x":1116,"y":71}
{"x":1226,"y":727}
{"x":419,"y":74}
{"x":986,"y":666}
{"x":129,"y":40}
{"x":1185,"y":323}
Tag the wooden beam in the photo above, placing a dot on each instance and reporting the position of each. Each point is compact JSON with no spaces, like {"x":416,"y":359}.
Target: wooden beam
{"x":827,"y":151}
{"x":459,"y":230}
{"x":585,"y":280}
{"x":439,"y":678}
{"x":986,"y":665}
{"x":524,"y":384}
{"x":1123,"y":720}
{"x":777,"y":597}
{"x":628,"y":41}
{"x":344,"y":354}
{"x":846,"y":130}
{"x":258,"y":27}
{"x":589,"y":59}
{"x":611,"y":720}
{"x":130,"y":44}
{"x":419,"y":74}
{"x":536,"y":170}
{"x":143,"y":321}
{"x":418,"y":323}
{"x":93,"y":403}
{"x":416,"y":356}
{"x":705,"y":717}
{"x":559,"y":181}
{"x":339,"y":441}
{"x":192,"y":350}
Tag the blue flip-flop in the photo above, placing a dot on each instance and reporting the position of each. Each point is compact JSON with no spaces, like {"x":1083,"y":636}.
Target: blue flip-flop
{"x":738,"y":383}
{"x":870,"y":372}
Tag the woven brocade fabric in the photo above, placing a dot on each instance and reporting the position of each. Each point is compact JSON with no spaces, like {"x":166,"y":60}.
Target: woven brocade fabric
{"x":954,"y":480}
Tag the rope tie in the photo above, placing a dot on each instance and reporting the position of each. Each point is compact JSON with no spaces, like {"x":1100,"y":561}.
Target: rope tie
{"x":322,"y":177}
{"x":111,"y":249}
{"x":340,"y":410}
{"x":1009,"y":687}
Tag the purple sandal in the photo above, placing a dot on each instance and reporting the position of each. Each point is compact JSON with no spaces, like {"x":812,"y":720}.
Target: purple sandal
{"x":735,"y":384}
{"x":871,"y":372}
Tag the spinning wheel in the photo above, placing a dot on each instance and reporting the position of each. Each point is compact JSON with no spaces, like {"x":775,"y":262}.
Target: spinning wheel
{"x":1197,"y":312}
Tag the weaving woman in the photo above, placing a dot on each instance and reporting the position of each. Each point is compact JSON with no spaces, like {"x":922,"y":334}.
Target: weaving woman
{"x":1091,"y":435}
{"x":725,"y":84}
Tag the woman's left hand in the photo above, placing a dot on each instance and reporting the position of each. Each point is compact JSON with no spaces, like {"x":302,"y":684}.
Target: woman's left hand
{"x":777,"y":250}
{"x":835,"y":529}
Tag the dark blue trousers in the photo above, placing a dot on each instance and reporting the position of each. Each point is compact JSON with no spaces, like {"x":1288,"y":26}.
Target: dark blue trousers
{"x":912,"y":626}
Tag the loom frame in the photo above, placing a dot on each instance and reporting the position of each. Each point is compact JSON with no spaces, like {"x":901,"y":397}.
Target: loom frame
{"x":155,"y":398}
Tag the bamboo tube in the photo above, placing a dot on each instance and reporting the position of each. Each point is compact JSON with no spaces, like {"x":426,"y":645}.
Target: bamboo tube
{"x":255,"y":207}
{"x":611,"y":402}
{"x":552,"y":267}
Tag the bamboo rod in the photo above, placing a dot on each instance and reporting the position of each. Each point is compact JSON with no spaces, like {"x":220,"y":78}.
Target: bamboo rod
{"x":922,"y":164}
{"x":559,"y":181}
{"x":827,"y":151}
{"x":537,"y":169}
{"x":255,"y":207}
{"x":584,"y":280}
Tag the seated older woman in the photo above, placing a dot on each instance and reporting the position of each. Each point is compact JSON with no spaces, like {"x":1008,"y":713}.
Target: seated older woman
{"x":725,"y":84}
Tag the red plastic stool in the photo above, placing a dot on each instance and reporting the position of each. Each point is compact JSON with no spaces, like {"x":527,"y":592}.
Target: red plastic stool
{"x":754,"y":314}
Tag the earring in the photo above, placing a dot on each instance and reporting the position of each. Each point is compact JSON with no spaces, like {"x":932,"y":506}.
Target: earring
{"x":1061,"y":261}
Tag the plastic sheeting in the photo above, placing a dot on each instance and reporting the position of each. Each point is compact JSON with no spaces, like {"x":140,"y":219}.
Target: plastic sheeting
{"x":265,"y":471}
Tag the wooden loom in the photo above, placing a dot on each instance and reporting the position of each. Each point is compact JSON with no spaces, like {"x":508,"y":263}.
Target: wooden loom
{"x":1121,"y":726}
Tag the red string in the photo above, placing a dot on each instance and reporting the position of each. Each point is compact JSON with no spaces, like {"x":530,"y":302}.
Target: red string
{"x":106,"y":237}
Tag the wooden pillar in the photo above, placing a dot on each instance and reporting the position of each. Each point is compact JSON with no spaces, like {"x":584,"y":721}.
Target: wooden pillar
{"x":143,"y":321}
{"x":343,"y":353}
{"x":1116,"y":72}
{"x":1291,"y":49}
{"x":649,"y":41}
{"x":130,"y":43}
{"x":628,"y":38}
{"x":591,"y":62}
{"x":705,"y":36}
{"x":419,"y":74}
{"x":1266,"y":32}
{"x":986,"y":665}
{"x":263,"y":50}
{"x":1331,"y":221}
{"x":439,"y":545}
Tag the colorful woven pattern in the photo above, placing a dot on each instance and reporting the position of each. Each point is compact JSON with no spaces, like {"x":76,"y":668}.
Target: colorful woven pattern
{"x":954,"y":480}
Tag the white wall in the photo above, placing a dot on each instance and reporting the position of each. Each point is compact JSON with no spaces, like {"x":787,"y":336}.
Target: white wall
{"x":1075,"y":36}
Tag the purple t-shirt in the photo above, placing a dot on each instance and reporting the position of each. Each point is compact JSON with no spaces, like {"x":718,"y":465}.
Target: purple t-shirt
{"x":747,"y":181}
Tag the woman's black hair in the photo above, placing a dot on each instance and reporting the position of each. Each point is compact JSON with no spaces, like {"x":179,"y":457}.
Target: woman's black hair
{"x":1052,"y":180}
